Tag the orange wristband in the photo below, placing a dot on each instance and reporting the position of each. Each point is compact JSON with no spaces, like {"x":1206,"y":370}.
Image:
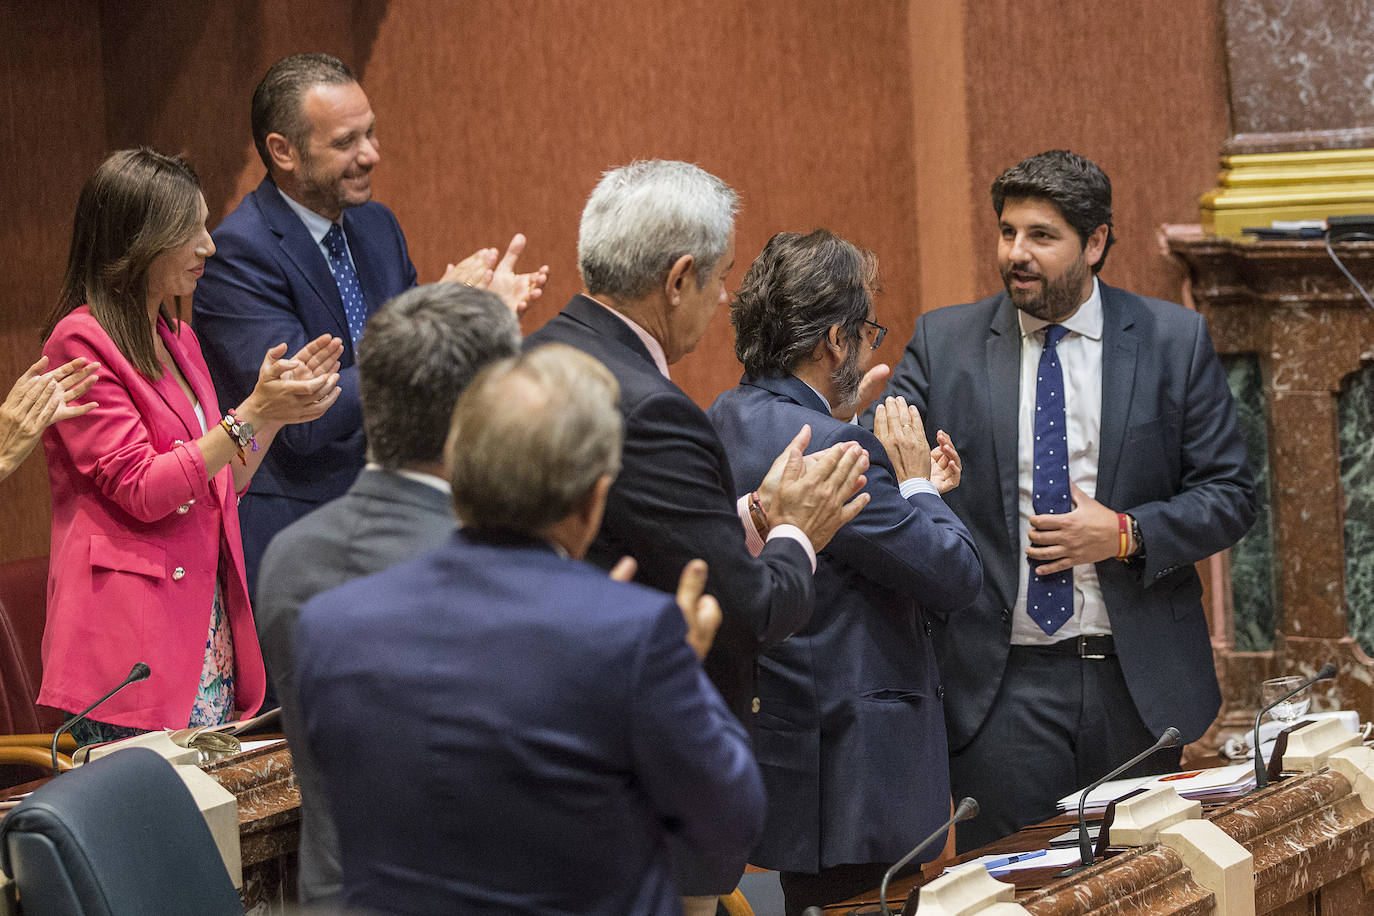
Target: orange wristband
{"x":1124,"y":535}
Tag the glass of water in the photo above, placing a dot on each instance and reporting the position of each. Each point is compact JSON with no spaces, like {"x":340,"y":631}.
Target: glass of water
{"x":1295,"y":707}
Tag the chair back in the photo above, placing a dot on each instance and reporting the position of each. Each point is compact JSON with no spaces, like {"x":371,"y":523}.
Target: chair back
{"x":117,"y":837}
{"x":23,"y":613}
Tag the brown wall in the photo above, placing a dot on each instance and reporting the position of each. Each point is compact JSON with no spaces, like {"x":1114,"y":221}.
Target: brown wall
{"x":884,"y":120}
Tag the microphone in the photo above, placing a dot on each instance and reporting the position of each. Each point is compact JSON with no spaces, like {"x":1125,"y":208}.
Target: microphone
{"x":1085,"y":846}
{"x":139,"y":672}
{"x":968,"y":808}
{"x":1327,"y":672}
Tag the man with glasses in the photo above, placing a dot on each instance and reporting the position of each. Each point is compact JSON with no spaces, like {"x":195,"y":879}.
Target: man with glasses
{"x":850,"y":731}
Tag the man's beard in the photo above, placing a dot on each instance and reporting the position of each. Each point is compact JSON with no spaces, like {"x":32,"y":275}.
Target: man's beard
{"x":847,"y":376}
{"x":1057,"y":298}
{"x":327,"y":193}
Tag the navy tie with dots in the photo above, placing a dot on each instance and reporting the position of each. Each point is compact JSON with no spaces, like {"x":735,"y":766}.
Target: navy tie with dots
{"x":346,"y":278}
{"x":1049,"y":599}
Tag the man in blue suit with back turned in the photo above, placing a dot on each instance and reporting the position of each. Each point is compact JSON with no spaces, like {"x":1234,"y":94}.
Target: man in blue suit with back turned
{"x":309,"y":253}
{"x":1101,"y":461}
{"x":850,"y":731}
{"x":559,"y":726}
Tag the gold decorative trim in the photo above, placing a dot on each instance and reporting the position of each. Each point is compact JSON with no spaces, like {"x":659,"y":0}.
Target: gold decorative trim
{"x":1257,"y":188}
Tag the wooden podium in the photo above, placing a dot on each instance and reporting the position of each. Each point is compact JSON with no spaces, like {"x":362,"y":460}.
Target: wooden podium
{"x":1311,"y":837}
{"x":269,"y":802}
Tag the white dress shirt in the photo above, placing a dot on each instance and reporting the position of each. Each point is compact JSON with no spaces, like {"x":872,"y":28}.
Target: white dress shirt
{"x":1080,"y":357}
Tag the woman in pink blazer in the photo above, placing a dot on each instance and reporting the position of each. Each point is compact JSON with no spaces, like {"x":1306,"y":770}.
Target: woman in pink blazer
{"x":147,"y":561}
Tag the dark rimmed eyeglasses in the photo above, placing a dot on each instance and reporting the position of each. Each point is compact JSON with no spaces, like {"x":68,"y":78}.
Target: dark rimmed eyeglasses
{"x":882,"y":332}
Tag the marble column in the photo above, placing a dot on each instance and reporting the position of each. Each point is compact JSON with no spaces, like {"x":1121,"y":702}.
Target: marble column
{"x":1301,"y":74}
{"x":1311,"y":334}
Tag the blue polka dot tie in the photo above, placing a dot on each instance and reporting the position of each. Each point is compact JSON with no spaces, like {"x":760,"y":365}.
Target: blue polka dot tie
{"x":1049,"y":599}
{"x":346,"y":278}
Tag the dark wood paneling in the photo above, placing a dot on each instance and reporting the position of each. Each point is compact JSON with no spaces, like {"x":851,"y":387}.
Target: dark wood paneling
{"x":872,"y":118}
{"x":803,"y":107}
{"x":52,"y":129}
{"x":1137,"y":86}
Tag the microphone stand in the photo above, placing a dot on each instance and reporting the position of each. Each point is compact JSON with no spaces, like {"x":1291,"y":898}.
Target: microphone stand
{"x":968,"y":808}
{"x":1327,"y":672}
{"x":1085,"y":847}
{"x":139,"y":672}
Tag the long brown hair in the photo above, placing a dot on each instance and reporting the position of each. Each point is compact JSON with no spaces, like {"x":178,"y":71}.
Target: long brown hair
{"x":137,"y":205}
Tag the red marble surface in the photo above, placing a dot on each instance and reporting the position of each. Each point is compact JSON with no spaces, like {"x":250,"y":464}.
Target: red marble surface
{"x":269,"y":803}
{"x":1287,"y":302}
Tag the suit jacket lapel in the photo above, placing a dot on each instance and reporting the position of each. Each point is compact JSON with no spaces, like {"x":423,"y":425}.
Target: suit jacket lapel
{"x":1003,"y":352}
{"x":296,"y":243}
{"x":171,"y":393}
{"x":1119,"y":357}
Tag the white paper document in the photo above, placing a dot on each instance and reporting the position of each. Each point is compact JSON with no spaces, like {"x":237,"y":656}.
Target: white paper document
{"x":1214,"y":782}
{"x":999,"y":864}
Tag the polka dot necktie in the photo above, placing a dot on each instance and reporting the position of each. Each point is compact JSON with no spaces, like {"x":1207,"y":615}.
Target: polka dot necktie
{"x":346,"y":278}
{"x":1049,"y":599}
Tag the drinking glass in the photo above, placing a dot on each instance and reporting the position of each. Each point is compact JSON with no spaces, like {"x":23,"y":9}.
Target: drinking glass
{"x":1292,"y":709}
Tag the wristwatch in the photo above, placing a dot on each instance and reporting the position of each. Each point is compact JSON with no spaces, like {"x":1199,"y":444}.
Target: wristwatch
{"x":1137,"y":537}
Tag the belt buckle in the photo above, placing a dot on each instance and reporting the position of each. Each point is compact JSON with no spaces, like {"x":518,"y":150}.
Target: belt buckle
{"x":1083,"y":649}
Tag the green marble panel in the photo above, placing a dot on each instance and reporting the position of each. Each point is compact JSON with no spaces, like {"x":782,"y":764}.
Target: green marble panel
{"x":1355,"y":424}
{"x":1252,"y":559}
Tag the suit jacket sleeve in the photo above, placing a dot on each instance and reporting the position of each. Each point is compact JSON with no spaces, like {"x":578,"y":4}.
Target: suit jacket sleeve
{"x":915,"y":546}
{"x":114,"y":445}
{"x":672,"y":503}
{"x":1215,"y":503}
{"x":245,"y":305}
{"x":692,"y":756}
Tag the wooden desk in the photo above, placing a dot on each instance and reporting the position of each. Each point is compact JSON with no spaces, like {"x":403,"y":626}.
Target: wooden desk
{"x":264,"y":783}
{"x":1312,"y":841}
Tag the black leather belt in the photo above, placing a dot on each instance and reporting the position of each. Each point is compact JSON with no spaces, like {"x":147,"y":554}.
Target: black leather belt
{"x":1080,"y":646}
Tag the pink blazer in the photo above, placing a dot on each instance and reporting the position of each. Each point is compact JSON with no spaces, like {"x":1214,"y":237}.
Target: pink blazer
{"x":138,"y":533}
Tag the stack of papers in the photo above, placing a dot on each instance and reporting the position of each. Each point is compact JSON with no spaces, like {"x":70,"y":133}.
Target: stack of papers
{"x":1198,"y":785}
{"x":1036,"y":858}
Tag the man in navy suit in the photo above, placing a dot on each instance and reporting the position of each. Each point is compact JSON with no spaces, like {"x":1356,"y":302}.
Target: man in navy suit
{"x":850,"y":731}
{"x":1101,"y":461}
{"x":417,"y":356}
{"x":309,"y":253}
{"x":656,"y":242}
{"x":559,"y":727}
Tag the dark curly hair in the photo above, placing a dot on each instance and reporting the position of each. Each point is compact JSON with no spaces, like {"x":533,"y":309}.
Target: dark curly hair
{"x":1077,"y":186}
{"x":793,"y":293}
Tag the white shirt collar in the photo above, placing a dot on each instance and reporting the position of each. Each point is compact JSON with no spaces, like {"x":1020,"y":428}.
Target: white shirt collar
{"x":315,"y":224}
{"x":428,"y":480}
{"x":1086,"y":322}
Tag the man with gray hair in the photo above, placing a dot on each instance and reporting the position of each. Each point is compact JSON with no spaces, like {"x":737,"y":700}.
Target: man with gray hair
{"x":560,"y":727}
{"x":418,"y":354}
{"x":655,"y":244}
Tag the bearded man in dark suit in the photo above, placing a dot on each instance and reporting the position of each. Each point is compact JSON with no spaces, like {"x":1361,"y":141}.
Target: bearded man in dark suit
{"x":1101,"y":460}
{"x":850,"y":731}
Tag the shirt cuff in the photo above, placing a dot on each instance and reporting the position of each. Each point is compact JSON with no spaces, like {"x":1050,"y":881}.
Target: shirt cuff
{"x":752,"y":540}
{"x":913,"y":485}
{"x":796,"y":534}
